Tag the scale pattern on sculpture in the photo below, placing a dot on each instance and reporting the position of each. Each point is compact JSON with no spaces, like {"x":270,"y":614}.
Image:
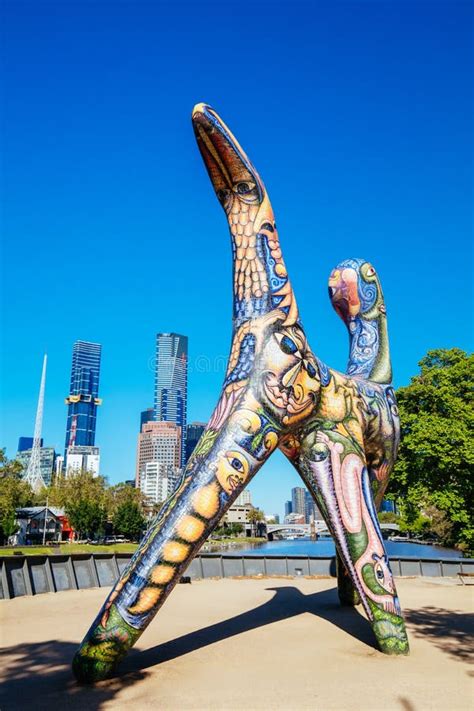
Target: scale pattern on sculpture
{"x":340,"y":431}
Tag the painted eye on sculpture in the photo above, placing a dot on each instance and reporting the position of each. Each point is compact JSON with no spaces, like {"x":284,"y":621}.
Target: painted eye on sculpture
{"x":244,"y":188}
{"x":379,"y":573}
{"x":311,"y":370}
{"x":370,"y":271}
{"x":236,"y":464}
{"x":288,"y":346}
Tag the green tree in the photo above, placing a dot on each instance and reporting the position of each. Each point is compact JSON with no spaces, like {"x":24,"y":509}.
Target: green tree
{"x":87,"y":517}
{"x":255,"y":517}
{"x":433,"y":473}
{"x":14,"y":493}
{"x":129,"y":520}
{"x":116,"y":496}
{"x":83,"y":496}
{"x":388,"y":517}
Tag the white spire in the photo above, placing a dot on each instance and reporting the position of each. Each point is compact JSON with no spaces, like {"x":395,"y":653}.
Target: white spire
{"x":33,"y":473}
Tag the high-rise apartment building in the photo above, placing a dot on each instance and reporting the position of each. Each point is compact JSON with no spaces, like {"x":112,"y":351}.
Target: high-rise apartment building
{"x":311,"y":509}
{"x":83,"y":397}
{"x":298,"y":500}
{"x":193,"y":434}
{"x":147,"y":415}
{"x":81,"y":458}
{"x":47,"y":459}
{"x":243,"y":498}
{"x":25,"y":443}
{"x":157,"y":481}
{"x":288,"y":508}
{"x":158,"y":442}
{"x":171,"y":383}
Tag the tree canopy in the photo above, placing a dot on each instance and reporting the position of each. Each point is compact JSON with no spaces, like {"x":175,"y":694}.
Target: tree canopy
{"x":129,"y":520}
{"x":433,"y":475}
{"x":14,"y":493}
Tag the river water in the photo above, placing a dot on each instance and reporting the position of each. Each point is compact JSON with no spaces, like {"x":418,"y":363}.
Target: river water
{"x":325,"y":547}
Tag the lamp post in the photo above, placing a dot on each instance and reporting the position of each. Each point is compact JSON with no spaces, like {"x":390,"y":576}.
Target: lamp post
{"x":44,"y":524}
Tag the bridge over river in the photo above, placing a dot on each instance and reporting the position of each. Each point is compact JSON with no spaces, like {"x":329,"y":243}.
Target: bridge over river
{"x":304,"y":529}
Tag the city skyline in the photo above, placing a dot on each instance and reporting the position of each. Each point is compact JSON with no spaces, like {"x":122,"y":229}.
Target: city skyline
{"x":351,"y":150}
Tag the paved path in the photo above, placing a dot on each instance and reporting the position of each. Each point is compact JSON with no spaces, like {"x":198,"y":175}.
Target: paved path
{"x":246,"y":644}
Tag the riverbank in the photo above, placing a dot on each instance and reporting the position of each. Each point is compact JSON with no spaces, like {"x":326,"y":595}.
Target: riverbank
{"x":70,"y":548}
{"x":324,"y":546}
{"x":256,"y":644}
{"x":234,"y":542}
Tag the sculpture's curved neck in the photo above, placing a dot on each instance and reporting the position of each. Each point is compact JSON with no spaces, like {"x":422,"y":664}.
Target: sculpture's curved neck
{"x":357,"y":297}
{"x":261,"y":282}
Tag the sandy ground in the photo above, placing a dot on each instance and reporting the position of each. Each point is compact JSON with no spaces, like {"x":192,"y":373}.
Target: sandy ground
{"x":254,"y":644}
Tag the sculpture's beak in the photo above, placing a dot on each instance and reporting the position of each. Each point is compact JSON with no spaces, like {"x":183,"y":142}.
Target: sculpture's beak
{"x":226,"y":162}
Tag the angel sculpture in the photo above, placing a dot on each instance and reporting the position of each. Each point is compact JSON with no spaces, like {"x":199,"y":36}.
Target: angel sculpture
{"x":340,"y":431}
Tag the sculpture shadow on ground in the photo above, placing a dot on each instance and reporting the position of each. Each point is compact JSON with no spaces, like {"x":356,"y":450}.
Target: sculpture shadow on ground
{"x":451,"y":631}
{"x":287,"y":602}
{"x":38,"y":676}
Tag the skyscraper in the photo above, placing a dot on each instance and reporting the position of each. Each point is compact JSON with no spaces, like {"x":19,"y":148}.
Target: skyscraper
{"x":46,"y":459}
{"x":193,"y":434}
{"x":243,"y":499}
{"x":83,"y":397}
{"x":156,"y":483}
{"x":298,"y":500}
{"x":311,"y":509}
{"x":147,"y":415}
{"x":159,"y":442}
{"x":25,"y":443}
{"x":171,"y":382}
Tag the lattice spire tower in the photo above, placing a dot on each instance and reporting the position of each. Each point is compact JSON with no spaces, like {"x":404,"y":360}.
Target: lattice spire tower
{"x":33,"y":473}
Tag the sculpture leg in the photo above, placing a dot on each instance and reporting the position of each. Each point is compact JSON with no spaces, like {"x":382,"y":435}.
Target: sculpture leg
{"x":348,"y":595}
{"x":335,"y":465}
{"x":226,"y":461}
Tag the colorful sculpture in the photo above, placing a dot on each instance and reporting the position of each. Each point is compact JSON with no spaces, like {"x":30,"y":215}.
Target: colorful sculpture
{"x":339,"y":431}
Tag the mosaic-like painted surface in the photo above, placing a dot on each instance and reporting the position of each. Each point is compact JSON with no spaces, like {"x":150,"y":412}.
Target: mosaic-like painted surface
{"x":340,"y":431}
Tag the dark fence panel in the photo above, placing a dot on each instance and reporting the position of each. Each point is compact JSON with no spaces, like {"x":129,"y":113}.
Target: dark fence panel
{"x":16,"y":578}
{"x":35,"y":575}
{"x":40,"y":580}
{"x":63,"y":575}
{"x":107,"y":570}
{"x":85,"y":573}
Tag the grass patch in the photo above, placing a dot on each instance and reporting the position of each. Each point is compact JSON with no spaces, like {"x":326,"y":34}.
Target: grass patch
{"x":234,"y":539}
{"x":68,"y":548}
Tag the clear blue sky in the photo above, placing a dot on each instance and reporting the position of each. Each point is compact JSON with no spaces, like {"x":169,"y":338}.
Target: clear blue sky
{"x":357,"y":115}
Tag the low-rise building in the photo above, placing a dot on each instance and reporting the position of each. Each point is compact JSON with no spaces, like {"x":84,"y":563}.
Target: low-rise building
{"x":32,"y":521}
{"x":295,"y":518}
{"x":238,"y":514}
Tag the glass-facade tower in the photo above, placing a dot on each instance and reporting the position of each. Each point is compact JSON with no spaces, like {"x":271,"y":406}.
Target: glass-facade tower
{"x":193,"y":435}
{"x":171,"y":382}
{"x":83,"y":397}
